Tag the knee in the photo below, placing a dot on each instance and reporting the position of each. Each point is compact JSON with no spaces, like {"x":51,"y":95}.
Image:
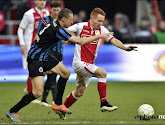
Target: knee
{"x":66,"y":74}
{"x":37,"y":93}
{"x":103,"y":74}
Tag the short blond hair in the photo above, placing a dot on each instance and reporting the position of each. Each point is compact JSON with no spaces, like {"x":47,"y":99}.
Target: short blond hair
{"x":97,"y":11}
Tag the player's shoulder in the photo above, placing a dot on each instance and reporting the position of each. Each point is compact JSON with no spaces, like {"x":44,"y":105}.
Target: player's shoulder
{"x":29,"y":12}
{"x":103,"y":28}
{"x":47,"y":12}
{"x":83,"y":24}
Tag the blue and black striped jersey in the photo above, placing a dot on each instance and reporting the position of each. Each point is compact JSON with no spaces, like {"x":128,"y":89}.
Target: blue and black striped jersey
{"x":58,"y":47}
{"x":47,"y":39}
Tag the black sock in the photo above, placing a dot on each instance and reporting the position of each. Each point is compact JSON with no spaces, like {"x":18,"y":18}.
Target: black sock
{"x":51,"y":80}
{"x":26,"y":99}
{"x":54,"y":92}
{"x":60,"y":90}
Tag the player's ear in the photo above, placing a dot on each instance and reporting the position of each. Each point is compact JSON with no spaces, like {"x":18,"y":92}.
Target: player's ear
{"x":63,"y":19}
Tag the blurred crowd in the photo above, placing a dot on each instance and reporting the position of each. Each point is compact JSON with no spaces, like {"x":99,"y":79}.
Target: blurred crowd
{"x":124,"y":30}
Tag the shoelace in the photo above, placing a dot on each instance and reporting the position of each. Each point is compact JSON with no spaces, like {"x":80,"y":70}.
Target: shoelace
{"x":16,"y":116}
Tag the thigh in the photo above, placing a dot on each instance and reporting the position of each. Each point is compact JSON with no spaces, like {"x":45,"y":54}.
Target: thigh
{"x":62,"y":70}
{"x":35,"y":68}
{"x":50,"y":62}
{"x":37,"y":83}
{"x":84,"y":69}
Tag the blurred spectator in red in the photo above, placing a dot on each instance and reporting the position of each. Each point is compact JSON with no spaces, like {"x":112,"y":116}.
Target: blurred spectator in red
{"x":144,"y":33}
{"x":2,"y":21}
{"x":122,"y":28}
{"x":160,"y":34}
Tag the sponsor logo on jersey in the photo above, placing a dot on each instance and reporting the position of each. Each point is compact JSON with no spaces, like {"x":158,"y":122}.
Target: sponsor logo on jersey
{"x":37,"y":17}
{"x":85,"y":31}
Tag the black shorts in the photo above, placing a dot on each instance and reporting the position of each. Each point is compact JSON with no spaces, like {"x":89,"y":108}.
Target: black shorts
{"x":36,"y":68}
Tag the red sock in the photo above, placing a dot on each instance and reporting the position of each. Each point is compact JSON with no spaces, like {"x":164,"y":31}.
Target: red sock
{"x":29,"y":85}
{"x":70,"y":100}
{"x":102,"y":87}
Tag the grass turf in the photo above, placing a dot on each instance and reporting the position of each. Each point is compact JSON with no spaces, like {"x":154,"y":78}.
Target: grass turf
{"x":128,"y":96}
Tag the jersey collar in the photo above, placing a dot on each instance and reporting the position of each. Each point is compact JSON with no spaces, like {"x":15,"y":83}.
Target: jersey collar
{"x":89,"y":24}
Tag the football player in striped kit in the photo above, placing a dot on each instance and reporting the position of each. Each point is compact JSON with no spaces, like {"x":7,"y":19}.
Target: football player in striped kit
{"x":27,"y":32}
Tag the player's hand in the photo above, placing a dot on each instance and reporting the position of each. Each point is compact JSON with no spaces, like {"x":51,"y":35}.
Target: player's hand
{"x":65,"y":42}
{"x":130,"y":48}
{"x":23,"y":49}
{"x":106,"y":35}
{"x":45,"y":22}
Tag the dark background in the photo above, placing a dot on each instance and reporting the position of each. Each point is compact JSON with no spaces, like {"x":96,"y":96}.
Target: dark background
{"x":109,"y":6}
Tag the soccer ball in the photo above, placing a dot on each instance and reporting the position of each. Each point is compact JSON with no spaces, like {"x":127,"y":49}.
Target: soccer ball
{"x":145,"y":111}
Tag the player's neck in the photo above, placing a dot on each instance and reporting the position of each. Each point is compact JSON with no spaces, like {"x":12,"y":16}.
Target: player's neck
{"x":92,"y":26}
{"x":61,"y":23}
{"x":38,"y":9}
{"x":53,"y":17}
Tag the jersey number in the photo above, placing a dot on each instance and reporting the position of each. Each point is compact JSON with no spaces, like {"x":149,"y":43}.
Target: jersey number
{"x":42,"y":31}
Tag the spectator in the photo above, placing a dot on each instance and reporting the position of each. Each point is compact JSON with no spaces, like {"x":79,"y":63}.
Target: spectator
{"x":143,"y":33}
{"x":160,"y":34}
{"x":122,"y":28}
{"x":4,"y":6}
{"x":2,"y":21}
{"x":107,"y":25}
{"x":82,"y":16}
{"x":75,"y":18}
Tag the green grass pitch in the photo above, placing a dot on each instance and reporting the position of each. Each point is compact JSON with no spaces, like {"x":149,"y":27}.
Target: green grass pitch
{"x":128,"y":96}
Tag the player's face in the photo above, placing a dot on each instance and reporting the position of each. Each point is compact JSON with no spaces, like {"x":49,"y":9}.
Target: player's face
{"x":55,"y":11}
{"x":40,"y":4}
{"x":68,"y":21}
{"x":97,"y":22}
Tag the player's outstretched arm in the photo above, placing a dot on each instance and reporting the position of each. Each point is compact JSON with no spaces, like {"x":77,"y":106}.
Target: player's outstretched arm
{"x":120,"y":45}
{"x":88,"y":40}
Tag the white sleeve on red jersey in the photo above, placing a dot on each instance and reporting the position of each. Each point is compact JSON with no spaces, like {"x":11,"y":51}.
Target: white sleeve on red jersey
{"x":20,"y":36}
{"x":74,"y":28}
{"x":105,"y":30}
{"x":25,"y":21}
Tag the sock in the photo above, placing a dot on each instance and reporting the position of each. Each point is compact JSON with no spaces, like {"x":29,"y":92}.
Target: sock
{"x":102,"y":87}
{"x":45,"y":95}
{"x":51,"y":80}
{"x":60,"y":90}
{"x":54,"y":92}
{"x":70,"y":100}
{"x":29,"y":85}
{"x":53,"y":86}
{"x":26,"y":99}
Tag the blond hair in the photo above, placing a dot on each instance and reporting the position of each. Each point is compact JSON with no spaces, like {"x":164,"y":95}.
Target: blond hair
{"x":97,"y":11}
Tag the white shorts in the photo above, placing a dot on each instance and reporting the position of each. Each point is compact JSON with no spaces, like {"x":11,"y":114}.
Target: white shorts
{"x":84,"y":72}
